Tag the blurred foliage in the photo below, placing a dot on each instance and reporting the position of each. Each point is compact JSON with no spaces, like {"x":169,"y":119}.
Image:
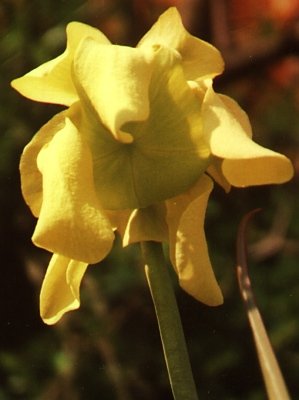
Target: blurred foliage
{"x":111,"y":348}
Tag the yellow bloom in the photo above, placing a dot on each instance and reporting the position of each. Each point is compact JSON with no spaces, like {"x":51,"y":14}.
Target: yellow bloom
{"x":133,"y":152}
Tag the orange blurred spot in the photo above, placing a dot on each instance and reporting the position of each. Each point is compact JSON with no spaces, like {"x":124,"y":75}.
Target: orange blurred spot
{"x":286,"y":72}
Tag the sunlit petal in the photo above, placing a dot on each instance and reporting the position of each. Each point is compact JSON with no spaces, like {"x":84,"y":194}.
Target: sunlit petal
{"x":71,"y":221}
{"x":52,"y":81}
{"x":188,"y":247}
{"x":114,"y":81}
{"x":60,"y":290}
{"x":228,"y":131}
{"x":168,"y":144}
{"x":200,"y":59}
{"x":119,"y":219}
{"x":31,"y":178}
{"x":215,"y":171}
{"x":147,"y":224}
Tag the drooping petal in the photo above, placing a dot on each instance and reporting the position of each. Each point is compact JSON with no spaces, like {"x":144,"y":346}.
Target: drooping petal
{"x":169,"y":151}
{"x":188,"y":247}
{"x":51,"y":82}
{"x":71,"y":221}
{"x":200,"y":59}
{"x":229,"y":134}
{"x":114,"y":81}
{"x":31,"y":177}
{"x":60,"y":290}
{"x":147,"y":224}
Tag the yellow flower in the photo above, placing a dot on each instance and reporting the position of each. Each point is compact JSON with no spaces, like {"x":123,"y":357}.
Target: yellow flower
{"x":135,"y":151}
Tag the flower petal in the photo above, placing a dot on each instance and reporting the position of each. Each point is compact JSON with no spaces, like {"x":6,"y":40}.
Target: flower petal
{"x":31,"y":178}
{"x":188,"y":247}
{"x":71,"y":222}
{"x":147,"y":224}
{"x":52,"y":81}
{"x":229,"y":134}
{"x":60,"y":290}
{"x":119,"y":219}
{"x":200,"y":59}
{"x":128,"y":175}
{"x":215,"y":171}
{"x":113,"y":81}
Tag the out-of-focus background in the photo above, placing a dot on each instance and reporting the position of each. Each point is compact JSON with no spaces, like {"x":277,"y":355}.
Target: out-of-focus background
{"x":110,"y":348}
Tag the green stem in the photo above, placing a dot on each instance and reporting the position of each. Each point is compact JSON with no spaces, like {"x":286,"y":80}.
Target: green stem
{"x":171,"y":331}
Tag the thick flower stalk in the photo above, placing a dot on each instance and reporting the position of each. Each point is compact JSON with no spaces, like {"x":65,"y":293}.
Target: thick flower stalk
{"x":136,"y":151}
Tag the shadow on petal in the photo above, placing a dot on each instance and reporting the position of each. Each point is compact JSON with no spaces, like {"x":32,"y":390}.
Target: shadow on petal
{"x":228,"y":132}
{"x":147,"y":224}
{"x":60,"y":290}
{"x":188,"y":247}
{"x":31,"y":177}
{"x":71,"y":221}
{"x":52,"y":81}
{"x":200,"y":59}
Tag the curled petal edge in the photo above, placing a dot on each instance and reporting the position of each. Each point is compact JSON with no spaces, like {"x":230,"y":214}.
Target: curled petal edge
{"x":52,"y":82}
{"x":228,"y":132}
{"x":71,"y":221}
{"x":200,"y":59}
{"x":60,"y":292}
{"x":188,"y":246}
